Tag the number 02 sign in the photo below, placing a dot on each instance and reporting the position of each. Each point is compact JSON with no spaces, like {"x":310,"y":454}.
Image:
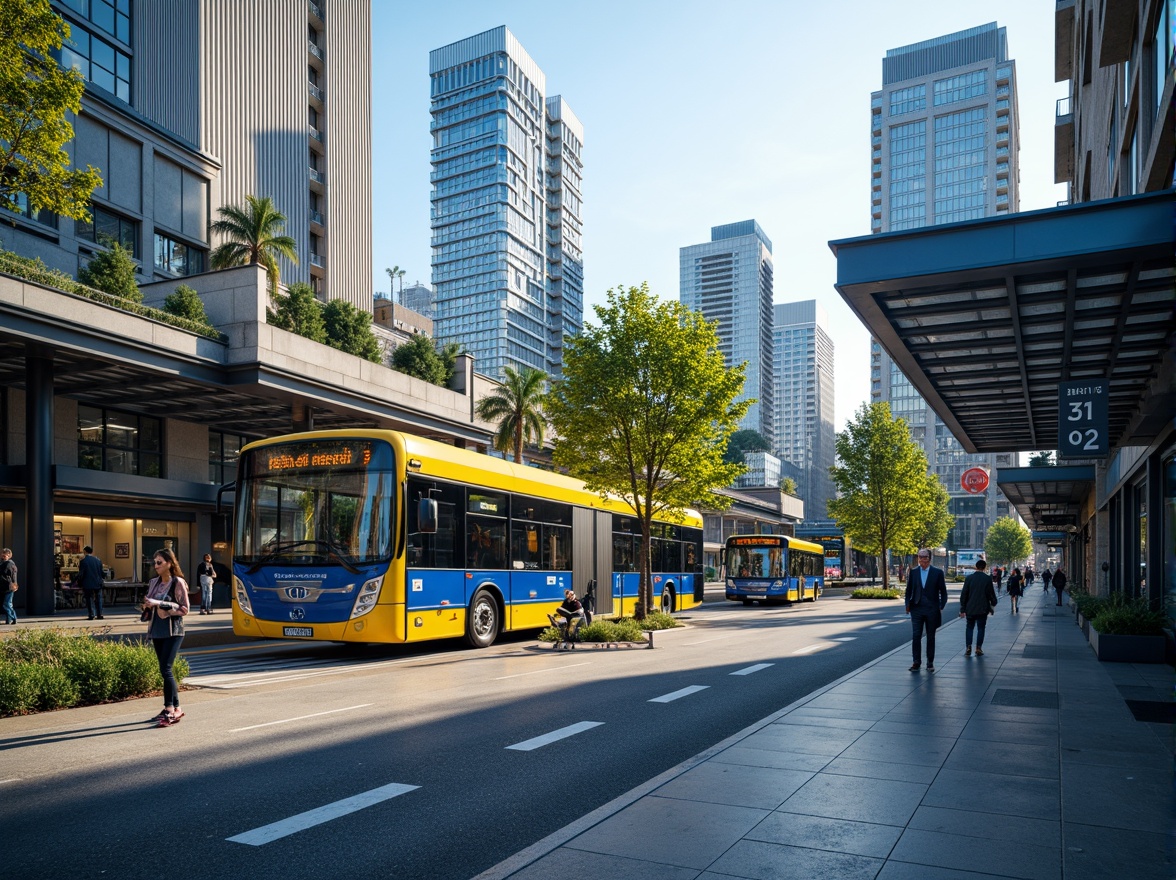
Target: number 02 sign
{"x":1082,"y":418}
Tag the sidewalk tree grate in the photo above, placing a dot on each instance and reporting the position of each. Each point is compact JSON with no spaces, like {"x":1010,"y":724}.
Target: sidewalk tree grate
{"x":1153,"y":711}
{"x":1025,"y":699}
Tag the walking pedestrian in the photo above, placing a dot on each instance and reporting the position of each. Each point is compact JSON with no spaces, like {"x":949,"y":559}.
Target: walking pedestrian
{"x":1046,"y":577}
{"x":977,"y":601}
{"x":1059,"y":583}
{"x":997,"y":574}
{"x":164,"y":606}
{"x":926,"y":597}
{"x":91,"y":580}
{"x":9,"y":584}
{"x":206,"y":576}
{"x":1016,"y":588}
{"x":1029,"y":576}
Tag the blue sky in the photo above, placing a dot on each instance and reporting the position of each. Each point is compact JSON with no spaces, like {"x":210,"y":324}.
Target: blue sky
{"x":697,"y":114}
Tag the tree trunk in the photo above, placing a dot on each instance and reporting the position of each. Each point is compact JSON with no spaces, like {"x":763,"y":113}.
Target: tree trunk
{"x":645,"y":584}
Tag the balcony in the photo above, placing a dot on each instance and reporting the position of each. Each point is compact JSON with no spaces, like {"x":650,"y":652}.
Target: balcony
{"x":315,"y":50}
{"x":1064,"y":142}
{"x":315,"y":134}
{"x":316,"y":259}
{"x":316,"y":10}
{"x":1063,"y":40}
{"x":316,"y":217}
{"x":315,"y":92}
{"x":317,"y":176}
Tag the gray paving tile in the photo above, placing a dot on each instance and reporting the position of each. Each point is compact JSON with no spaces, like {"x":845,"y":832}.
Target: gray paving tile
{"x":836,"y":835}
{"x":812,"y":719}
{"x":757,"y":860}
{"x":996,"y":793}
{"x":1028,"y":733}
{"x":963,"y":821}
{"x":670,"y":832}
{"x":1017,"y":759}
{"x":791,"y":738}
{"x":1158,"y":762}
{"x":582,"y":865}
{"x":861,"y":799}
{"x":810,"y":711}
{"x":1119,"y":797}
{"x":924,"y":726}
{"x":899,"y":748}
{"x":1007,"y":858}
{"x":1140,"y":855}
{"x":853,"y":702}
{"x":736,"y":784}
{"x":768,"y":758}
{"x":882,"y":770}
{"x":906,"y":871}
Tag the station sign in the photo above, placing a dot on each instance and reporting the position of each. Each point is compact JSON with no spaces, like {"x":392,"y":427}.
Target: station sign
{"x":974,"y":480}
{"x":1082,"y":418}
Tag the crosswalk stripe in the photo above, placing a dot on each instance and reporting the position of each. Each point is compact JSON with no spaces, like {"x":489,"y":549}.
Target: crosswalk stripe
{"x":554,"y":736}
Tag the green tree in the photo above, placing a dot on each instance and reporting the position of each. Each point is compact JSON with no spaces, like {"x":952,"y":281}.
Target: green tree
{"x":1041,"y":459}
{"x":112,"y":271}
{"x":743,"y":442}
{"x":350,"y":330}
{"x":644,"y":409}
{"x":517,"y":407}
{"x":419,"y":357}
{"x":299,"y":312}
{"x":254,"y":235}
{"x":394,"y":273}
{"x":788,"y":486}
{"x":35,"y":95}
{"x":934,"y":520}
{"x":1007,"y":541}
{"x":184,"y":302}
{"x":881,"y":482}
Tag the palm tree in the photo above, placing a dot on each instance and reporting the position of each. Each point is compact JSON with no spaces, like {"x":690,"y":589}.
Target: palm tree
{"x":516,"y":406}
{"x":394,"y":273}
{"x":254,"y":236}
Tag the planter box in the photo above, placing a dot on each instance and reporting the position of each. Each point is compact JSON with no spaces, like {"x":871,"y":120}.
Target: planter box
{"x":1083,"y":624}
{"x":1127,"y":649}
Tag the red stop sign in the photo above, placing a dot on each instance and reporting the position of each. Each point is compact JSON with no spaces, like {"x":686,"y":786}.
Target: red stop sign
{"x":974,"y":480}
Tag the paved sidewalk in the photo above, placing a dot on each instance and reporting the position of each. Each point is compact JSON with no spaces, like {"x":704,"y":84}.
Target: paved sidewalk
{"x":1026,"y":762}
{"x":200,"y":630}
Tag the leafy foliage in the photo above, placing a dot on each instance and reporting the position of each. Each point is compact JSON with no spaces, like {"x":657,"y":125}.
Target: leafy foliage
{"x":299,"y":311}
{"x":1120,"y":616}
{"x":742,"y":442}
{"x":1007,"y":541}
{"x":788,"y":486}
{"x":419,"y":357}
{"x":885,"y":497}
{"x":186,"y":303}
{"x":254,"y":234}
{"x":875,"y":593}
{"x":517,"y":407}
{"x":1041,"y":459}
{"x":350,"y":330}
{"x":112,"y":271}
{"x":35,"y":95}
{"x":644,"y":410}
{"x":935,"y":521}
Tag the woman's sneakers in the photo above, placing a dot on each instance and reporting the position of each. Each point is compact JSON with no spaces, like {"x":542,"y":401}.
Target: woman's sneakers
{"x":169,"y":718}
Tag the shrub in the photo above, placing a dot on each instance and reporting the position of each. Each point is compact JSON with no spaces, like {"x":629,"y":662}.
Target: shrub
{"x":55,"y":688}
{"x":18,"y":688}
{"x":1123,"y":617}
{"x":138,"y":671}
{"x":184,"y":302}
{"x":658,"y":620}
{"x":94,"y":670}
{"x":112,"y":271}
{"x":875,"y":593}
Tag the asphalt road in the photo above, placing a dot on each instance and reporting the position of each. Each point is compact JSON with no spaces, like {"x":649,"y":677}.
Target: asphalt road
{"x":402,"y":757}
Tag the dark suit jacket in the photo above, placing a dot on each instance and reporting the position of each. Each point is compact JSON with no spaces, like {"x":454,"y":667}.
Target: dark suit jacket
{"x":936,"y":588}
{"x":89,"y":573}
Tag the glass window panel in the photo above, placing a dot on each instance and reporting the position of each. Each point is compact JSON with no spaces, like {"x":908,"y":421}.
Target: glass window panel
{"x":120,"y":461}
{"x":90,"y":424}
{"x":150,"y":433}
{"x":102,"y":14}
{"x":102,"y":79}
{"x":102,"y":54}
{"x":124,"y":66}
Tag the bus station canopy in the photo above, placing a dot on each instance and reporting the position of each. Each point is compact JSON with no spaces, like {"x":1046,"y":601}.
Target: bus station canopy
{"x":1047,"y":498}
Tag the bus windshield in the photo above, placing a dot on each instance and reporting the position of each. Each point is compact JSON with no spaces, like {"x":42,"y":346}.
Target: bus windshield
{"x":755,"y":558}
{"x":315,"y":501}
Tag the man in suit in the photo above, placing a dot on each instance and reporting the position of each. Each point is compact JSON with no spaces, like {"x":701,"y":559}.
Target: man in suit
{"x":926,"y":597}
{"x":90,"y":580}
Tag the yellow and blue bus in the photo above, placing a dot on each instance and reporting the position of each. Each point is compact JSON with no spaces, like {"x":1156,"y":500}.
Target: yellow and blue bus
{"x":773,"y":568}
{"x":380,"y":536}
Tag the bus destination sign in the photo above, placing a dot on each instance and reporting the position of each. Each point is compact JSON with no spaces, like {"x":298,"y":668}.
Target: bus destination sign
{"x":304,"y":456}
{"x":755,"y":540}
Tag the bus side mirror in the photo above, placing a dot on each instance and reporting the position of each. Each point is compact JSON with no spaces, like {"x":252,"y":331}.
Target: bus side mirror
{"x":427,"y":515}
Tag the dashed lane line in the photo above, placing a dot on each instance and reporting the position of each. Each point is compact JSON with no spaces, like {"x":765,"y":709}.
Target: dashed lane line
{"x":554,"y":736}
{"x":299,"y":718}
{"x":540,"y":671}
{"x":750,"y":669}
{"x":810,"y":649}
{"x":276,"y":830}
{"x":677,"y":695}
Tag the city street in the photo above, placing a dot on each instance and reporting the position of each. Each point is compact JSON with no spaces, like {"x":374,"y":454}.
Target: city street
{"x":435,"y":761}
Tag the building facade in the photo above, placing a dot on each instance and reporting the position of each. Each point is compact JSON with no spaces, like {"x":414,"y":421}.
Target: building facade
{"x":729,"y":280}
{"x":419,"y":298}
{"x":180,"y":128}
{"x":506,"y":209}
{"x":944,"y":149}
{"x":804,"y":395}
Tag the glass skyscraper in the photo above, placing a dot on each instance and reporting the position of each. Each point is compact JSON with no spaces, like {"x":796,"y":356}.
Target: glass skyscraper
{"x":506,"y":206}
{"x":729,"y":280}
{"x":944,"y":149}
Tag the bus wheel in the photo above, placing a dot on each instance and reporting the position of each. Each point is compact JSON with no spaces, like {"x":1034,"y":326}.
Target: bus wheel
{"x":667,"y":601}
{"x":482,"y":620}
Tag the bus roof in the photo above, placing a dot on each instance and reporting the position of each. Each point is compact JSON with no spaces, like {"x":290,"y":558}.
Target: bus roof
{"x":445,"y":462}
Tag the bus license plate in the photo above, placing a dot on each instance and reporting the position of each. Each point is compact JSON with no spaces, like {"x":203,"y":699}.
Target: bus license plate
{"x":305,"y":632}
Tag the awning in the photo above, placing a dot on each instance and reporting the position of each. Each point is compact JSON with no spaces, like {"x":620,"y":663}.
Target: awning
{"x":1048,"y":498}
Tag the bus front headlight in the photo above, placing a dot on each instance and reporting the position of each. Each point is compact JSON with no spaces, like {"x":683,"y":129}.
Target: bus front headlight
{"x":242,"y":596}
{"x":366,"y":600}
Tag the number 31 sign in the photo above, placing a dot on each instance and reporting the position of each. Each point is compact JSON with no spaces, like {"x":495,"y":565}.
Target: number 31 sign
{"x":1082,"y":418}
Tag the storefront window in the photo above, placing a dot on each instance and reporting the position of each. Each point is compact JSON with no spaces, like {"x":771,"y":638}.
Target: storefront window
{"x":1169,"y":534}
{"x":120,"y":443}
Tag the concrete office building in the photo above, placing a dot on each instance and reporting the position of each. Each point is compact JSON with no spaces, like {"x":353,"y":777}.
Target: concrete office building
{"x":729,"y":280}
{"x":944,"y":133}
{"x":181,"y":127}
{"x":506,"y":209}
{"x":419,"y":298}
{"x":805,"y":435}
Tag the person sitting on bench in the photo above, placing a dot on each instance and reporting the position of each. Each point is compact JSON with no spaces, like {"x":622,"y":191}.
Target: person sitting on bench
{"x":571,"y":607}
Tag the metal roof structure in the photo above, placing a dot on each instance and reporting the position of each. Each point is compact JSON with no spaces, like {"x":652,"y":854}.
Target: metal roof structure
{"x":1049,"y":497}
{"x":986,"y":317}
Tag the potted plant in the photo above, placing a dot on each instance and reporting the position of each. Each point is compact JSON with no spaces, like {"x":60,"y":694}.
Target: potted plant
{"x":1128,"y":631}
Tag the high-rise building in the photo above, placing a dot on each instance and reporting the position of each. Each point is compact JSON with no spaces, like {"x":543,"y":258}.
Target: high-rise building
{"x":180,"y":127}
{"x":804,"y":396}
{"x":944,"y":132}
{"x":506,"y":209}
{"x":419,"y":298}
{"x":729,"y":280}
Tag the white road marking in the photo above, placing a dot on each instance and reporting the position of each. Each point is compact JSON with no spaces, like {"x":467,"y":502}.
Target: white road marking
{"x":13,"y":779}
{"x":845,"y":639}
{"x":750,"y":669}
{"x":704,"y":641}
{"x":245,"y":679}
{"x":879,"y":626}
{"x":810,"y":649}
{"x":319,"y":815}
{"x":554,"y":736}
{"x":299,"y":718}
{"x":677,"y":695}
{"x":537,"y":671}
